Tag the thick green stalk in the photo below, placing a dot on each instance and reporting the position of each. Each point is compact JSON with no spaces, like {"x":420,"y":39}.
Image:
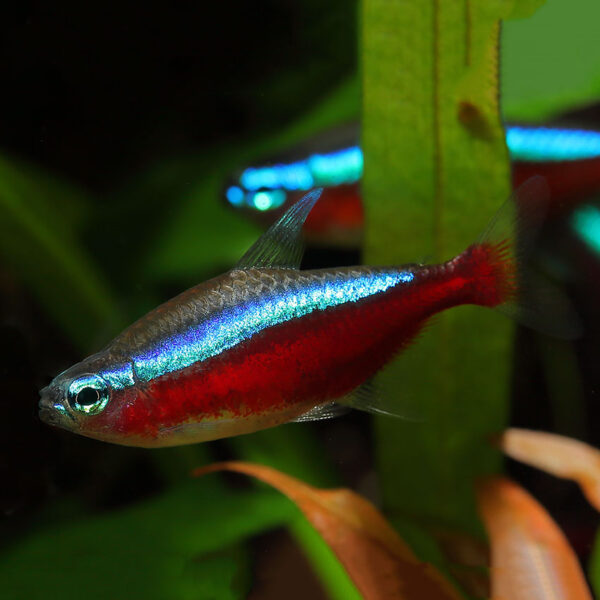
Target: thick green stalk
{"x":436,"y":169}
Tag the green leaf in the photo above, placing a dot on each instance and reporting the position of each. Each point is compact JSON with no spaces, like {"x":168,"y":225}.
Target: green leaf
{"x":290,"y":448}
{"x":38,"y":216}
{"x":594,"y":566}
{"x":178,"y":546}
{"x":436,"y":169}
{"x":551,"y":62}
{"x":202,"y":236}
{"x":222,"y":575}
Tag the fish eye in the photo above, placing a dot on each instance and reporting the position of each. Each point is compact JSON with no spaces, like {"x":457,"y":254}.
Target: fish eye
{"x":88,"y":394}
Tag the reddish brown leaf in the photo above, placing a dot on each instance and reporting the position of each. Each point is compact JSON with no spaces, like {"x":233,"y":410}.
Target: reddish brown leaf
{"x":381,"y":565}
{"x":558,"y":455}
{"x":531,"y":558}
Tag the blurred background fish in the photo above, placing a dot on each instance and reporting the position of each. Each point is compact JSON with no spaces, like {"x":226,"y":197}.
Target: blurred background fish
{"x":569,"y":159}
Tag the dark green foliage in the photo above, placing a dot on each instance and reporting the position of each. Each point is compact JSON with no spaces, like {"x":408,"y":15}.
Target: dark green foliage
{"x":38,"y":220}
{"x":183,"y":544}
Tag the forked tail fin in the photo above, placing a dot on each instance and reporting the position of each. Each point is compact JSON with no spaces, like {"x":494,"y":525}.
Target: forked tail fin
{"x":499,"y":266}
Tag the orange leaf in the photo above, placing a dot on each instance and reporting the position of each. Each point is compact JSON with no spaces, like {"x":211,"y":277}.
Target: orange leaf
{"x":557,"y":455}
{"x":531,"y":558}
{"x":381,"y":565}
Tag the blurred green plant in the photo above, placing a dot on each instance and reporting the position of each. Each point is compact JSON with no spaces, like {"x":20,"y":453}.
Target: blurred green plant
{"x":550,"y":61}
{"x":38,"y":217}
{"x":184,"y":544}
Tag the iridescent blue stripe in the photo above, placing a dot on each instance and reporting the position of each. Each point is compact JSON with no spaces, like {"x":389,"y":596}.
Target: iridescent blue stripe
{"x":331,"y":168}
{"x":264,"y":188}
{"x":119,"y":376}
{"x":544,"y":144}
{"x":234,"y":325}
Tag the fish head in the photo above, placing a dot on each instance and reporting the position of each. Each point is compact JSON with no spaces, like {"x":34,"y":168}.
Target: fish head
{"x":77,"y":397}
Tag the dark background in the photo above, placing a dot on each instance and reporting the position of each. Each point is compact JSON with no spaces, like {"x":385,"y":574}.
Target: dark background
{"x":98,"y":90}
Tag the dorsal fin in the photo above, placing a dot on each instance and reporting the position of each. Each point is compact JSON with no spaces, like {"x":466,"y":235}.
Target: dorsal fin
{"x":281,"y":245}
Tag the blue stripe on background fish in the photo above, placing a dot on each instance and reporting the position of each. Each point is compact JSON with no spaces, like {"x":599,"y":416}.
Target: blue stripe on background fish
{"x":569,"y":159}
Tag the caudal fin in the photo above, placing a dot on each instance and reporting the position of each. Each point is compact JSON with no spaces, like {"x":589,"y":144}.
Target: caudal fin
{"x":499,"y":266}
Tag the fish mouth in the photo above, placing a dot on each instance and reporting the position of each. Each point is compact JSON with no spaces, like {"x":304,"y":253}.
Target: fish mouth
{"x":50,"y":412}
{"x":45,"y":401}
{"x":48,"y":416}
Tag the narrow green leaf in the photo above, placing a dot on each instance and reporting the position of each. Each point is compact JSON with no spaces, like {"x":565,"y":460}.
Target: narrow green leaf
{"x":593,"y":569}
{"x":38,"y":244}
{"x":436,"y":169}
{"x":329,"y":569}
{"x":204,"y":236}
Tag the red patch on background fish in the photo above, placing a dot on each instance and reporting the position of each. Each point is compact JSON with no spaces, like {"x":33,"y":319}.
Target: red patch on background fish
{"x":570,"y":182}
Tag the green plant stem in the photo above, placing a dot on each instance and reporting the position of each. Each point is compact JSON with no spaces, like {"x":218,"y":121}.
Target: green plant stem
{"x":436,"y":169}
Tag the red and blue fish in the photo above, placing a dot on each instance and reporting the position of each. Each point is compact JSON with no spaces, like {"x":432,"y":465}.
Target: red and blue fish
{"x":266,"y":343}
